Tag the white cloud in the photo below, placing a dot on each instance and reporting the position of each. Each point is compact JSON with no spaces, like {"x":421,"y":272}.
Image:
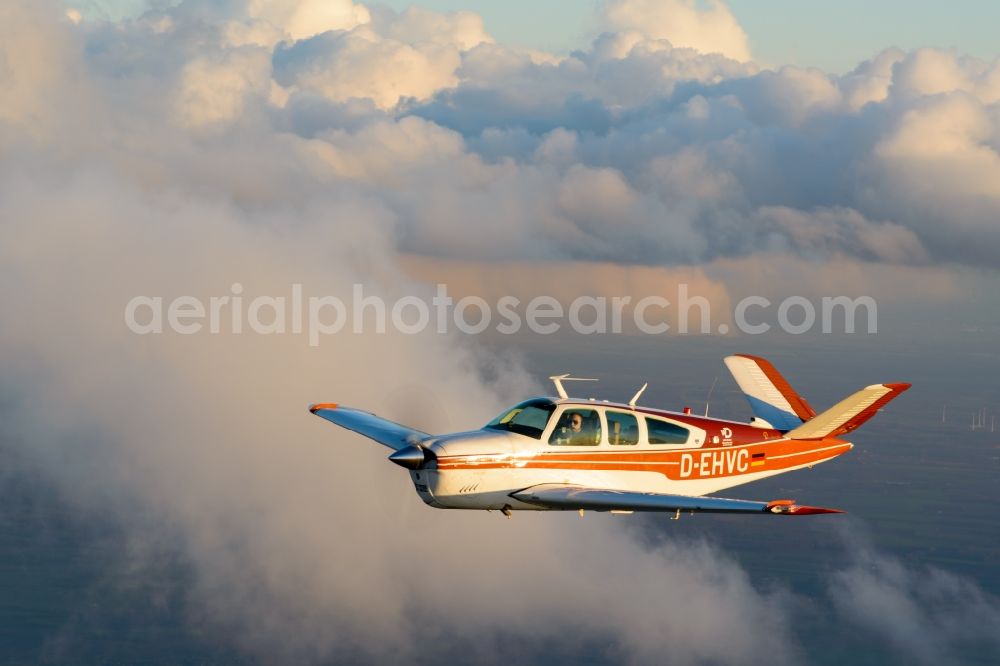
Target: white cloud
{"x":463,"y":30}
{"x":301,"y":19}
{"x":39,"y":63}
{"x":701,"y":142}
{"x":363,"y":64}
{"x":390,"y":154}
{"x":825,"y":232}
{"x":941,"y":165}
{"x":386,"y":58}
{"x":708,"y":26}
{"x":927,"y":615}
{"x":301,"y":537}
{"x":871,"y":80}
{"x":929,"y":72}
{"x":214,"y":89}
{"x":251,"y":32}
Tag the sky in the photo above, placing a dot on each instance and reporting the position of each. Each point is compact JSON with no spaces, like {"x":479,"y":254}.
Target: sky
{"x":238,"y":148}
{"x":836,"y":36}
{"x":824,"y":34}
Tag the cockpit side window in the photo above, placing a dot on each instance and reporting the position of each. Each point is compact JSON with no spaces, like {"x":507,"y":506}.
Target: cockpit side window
{"x":664,"y":432}
{"x":577,"y":427}
{"x":623,"y":429}
{"x":528,"y":418}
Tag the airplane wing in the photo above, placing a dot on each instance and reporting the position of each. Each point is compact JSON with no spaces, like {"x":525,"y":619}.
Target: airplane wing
{"x":559,"y":496}
{"x":385,"y":432}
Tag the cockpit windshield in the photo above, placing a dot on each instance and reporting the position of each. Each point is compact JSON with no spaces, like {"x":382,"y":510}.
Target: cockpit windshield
{"x":528,"y":418}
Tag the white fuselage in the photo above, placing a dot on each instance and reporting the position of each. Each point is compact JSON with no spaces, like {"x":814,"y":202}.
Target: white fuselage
{"x":481,"y":469}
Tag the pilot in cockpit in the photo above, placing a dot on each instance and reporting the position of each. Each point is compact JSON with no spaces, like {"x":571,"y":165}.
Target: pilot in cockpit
{"x":573,"y":431}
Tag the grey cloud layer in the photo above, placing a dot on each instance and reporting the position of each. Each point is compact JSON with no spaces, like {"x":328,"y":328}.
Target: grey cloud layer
{"x":896,"y":162}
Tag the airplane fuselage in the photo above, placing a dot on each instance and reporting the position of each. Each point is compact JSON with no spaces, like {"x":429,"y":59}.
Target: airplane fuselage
{"x":481,"y":469}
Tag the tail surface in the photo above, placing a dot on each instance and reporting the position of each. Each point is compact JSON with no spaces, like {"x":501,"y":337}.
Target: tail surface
{"x":849,"y":413}
{"x":771,"y":397}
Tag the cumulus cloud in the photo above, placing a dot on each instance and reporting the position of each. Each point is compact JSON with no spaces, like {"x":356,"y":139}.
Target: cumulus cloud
{"x":216,"y":90}
{"x":928,"y":616}
{"x":705,"y":26}
{"x":328,"y":143}
{"x":820,"y":233}
{"x":715,"y":149}
{"x":361,"y":63}
{"x":870,"y":81}
{"x":303,"y":539}
{"x":38,"y":64}
{"x":462,"y":29}
{"x":201,"y":446}
{"x":397,"y":56}
{"x":300,"y":19}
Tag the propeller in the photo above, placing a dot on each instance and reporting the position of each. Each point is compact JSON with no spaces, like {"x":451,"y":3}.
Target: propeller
{"x":413,"y":456}
{"x":419,"y":407}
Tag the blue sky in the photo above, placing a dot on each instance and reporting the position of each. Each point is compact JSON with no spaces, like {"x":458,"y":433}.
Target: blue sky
{"x":832,"y":35}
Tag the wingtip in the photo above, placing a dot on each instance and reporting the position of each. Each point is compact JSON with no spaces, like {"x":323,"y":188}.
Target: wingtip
{"x":322,"y":405}
{"x":899,"y":386}
{"x":812,"y":510}
{"x":787,"y":507}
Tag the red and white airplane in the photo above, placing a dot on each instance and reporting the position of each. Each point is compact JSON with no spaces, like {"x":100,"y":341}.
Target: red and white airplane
{"x":562,"y":453}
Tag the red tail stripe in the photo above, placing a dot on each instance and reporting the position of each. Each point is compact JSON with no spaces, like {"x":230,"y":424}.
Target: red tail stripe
{"x":797,"y":402}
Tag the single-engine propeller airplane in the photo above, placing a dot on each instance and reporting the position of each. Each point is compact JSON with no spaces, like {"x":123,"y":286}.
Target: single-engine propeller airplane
{"x":563,"y":453}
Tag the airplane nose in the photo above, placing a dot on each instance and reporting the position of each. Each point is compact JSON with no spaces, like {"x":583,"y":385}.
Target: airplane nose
{"x":410,"y":457}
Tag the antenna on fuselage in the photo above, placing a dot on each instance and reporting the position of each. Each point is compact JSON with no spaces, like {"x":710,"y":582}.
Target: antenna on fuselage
{"x":559,"y":379}
{"x":709,"y":398}
{"x":635,"y":398}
